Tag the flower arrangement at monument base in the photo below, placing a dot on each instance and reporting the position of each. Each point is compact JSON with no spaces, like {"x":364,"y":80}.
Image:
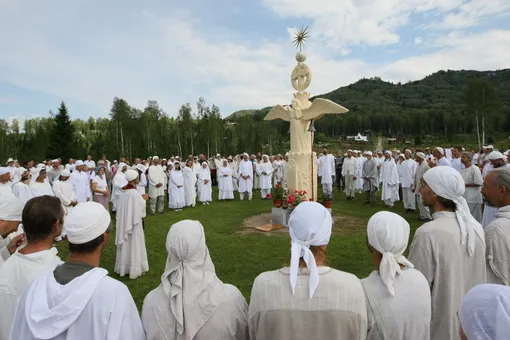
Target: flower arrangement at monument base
{"x":294,"y":199}
{"x":326,"y":200}
{"x":277,"y":196}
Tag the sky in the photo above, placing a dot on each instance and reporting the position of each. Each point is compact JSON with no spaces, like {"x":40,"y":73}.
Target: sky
{"x":237,"y":54}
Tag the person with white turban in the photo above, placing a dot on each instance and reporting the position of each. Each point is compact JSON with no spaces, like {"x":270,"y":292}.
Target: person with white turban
{"x":449,"y":250}
{"x":390,"y":180}
{"x":265,"y":173}
{"x":421,"y":169}
{"x":496,"y":160}
{"x":204,"y":183}
{"x":131,"y":256}
{"x":225,"y":182}
{"x":184,"y":307}
{"x":157,"y":184}
{"x":441,"y":160}
{"x":288,"y":303}
{"x":81,"y":182}
{"x":496,"y":190}
{"x":63,"y":189}
{"x":349,"y":174}
{"x":5,"y":180}
{"x":327,"y":171}
{"x":245,"y":175}
{"x":11,"y":208}
{"x":21,"y":188}
{"x":119,"y":182}
{"x":43,"y":219}
{"x":485,"y":313}
{"x":394,"y":285}
{"x":40,"y":185}
{"x":78,"y":300}
{"x":54,"y":172}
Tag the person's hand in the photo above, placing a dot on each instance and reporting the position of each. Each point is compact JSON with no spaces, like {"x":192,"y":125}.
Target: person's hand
{"x":206,"y":181}
{"x":74,"y":203}
{"x":225,"y":175}
{"x":159,"y":185}
{"x":88,"y":199}
{"x":145,"y":197}
{"x":354,"y":177}
{"x":15,"y":243}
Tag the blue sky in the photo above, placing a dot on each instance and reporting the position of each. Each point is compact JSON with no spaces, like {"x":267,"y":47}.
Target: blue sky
{"x":237,"y":54}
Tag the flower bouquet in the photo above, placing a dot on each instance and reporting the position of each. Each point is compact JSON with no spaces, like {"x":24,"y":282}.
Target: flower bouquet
{"x":276,"y":195}
{"x":294,"y":199}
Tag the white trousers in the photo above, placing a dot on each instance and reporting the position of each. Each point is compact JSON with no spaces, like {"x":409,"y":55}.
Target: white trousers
{"x":327,"y":188}
{"x":409,"y":198}
{"x":389,"y":203}
{"x":265,"y":192}
{"x":349,"y":186}
{"x":424,"y":211}
{"x":250,"y":194}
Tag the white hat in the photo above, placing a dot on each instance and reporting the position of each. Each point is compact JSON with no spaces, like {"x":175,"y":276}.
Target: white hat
{"x":440,"y":150}
{"x":421,"y":155}
{"x":10,"y":160}
{"x":55,"y":160}
{"x":86,"y":222}
{"x":11,"y":207}
{"x":494,"y":155}
{"x":155,"y":158}
{"x":4,"y":170}
{"x":65,"y":173}
{"x":131,"y":175}
{"x":140,"y":167}
{"x":489,"y":147}
{"x":79,"y":163}
{"x":368,"y":153}
{"x":402,"y":155}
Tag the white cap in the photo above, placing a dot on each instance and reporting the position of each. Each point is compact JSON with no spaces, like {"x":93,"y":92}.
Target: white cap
{"x":65,"y":173}
{"x":85,"y":222}
{"x":79,"y":163}
{"x":55,"y":160}
{"x":494,"y":155}
{"x":489,"y":147}
{"x":421,"y":155}
{"x":131,"y":175}
{"x":10,"y":160}
{"x":140,"y":167}
{"x":155,"y":158}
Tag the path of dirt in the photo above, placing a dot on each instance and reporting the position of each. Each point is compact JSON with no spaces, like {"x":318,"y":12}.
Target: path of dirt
{"x":342,"y":225}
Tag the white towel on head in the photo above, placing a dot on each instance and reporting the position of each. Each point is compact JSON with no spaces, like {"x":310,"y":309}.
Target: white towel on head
{"x":309,"y":225}
{"x":388,"y":233}
{"x":11,"y":207}
{"x":485,"y":312}
{"x":447,"y":182}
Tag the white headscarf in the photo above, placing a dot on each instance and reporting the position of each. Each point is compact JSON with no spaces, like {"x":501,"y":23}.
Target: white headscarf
{"x":309,"y":225}
{"x":11,"y":207}
{"x":447,"y":182}
{"x":36,"y":172}
{"x":485,"y":312}
{"x":190,"y":280}
{"x":388,"y":233}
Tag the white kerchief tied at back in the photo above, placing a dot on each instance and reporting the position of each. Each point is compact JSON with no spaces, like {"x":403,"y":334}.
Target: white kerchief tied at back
{"x":388,"y":233}
{"x":11,"y":208}
{"x":86,"y":222}
{"x":309,"y":225}
{"x":485,"y":312}
{"x":190,"y":280}
{"x":447,"y":182}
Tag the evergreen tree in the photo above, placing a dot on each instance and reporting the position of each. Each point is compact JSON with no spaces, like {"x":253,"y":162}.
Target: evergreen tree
{"x":62,"y":135}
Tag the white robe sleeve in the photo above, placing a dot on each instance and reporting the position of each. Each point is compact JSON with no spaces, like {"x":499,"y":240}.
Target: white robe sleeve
{"x":497,"y":252}
{"x":421,"y":256}
{"x":125,"y":321}
{"x":57,"y":190}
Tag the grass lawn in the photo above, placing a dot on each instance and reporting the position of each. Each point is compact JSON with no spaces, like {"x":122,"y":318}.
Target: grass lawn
{"x":240,"y":257}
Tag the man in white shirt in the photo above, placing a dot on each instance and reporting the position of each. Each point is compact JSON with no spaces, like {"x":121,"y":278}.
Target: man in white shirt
{"x":349,"y":173}
{"x":441,"y":160}
{"x":77,"y":300}
{"x":90,"y":164}
{"x":390,"y":181}
{"x":394,"y":285}
{"x":81,"y":182}
{"x":408,"y":172}
{"x":327,"y":171}
{"x":421,"y":169}
{"x":156,"y":186}
{"x":456,"y":159}
{"x":245,"y":171}
{"x":473,"y":180}
{"x":54,"y":173}
{"x":43,"y":218}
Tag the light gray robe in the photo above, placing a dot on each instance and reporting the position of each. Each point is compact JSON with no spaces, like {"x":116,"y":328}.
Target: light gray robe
{"x":497,"y":239}
{"x":369,"y":174}
{"x":437,"y":252}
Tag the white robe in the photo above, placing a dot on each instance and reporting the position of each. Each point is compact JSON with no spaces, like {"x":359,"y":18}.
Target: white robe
{"x":65,"y":193}
{"x":265,"y":180}
{"x":327,"y":169}
{"x":497,"y":239}
{"x":15,"y":275}
{"x":130,"y":239}
{"x":402,"y":322}
{"x":390,"y":181}
{"x":156,"y":175}
{"x":190,"y":186}
{"x":235,"y":175}
{"x":359,"y":169}
{"x":408,"y":171}
{"x":437,"y":252}
{"x":22,"y":191}
{"x":81,"y":185}
{"x":41,"y":189}
{"x":92,"y":306}
{"x":176,"y":196}
{"x":338,"y":302}
{"x":119,"y":182}
{"x":245,"y":169}
{"x":225,"y":184}
{"x":204,"y":190}
{"x":141,"y":186}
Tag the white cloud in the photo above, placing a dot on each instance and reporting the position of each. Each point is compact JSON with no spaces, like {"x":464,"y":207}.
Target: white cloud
{"x":418,"y":40}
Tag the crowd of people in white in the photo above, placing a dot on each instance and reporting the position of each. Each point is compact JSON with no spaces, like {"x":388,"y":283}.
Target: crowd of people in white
{"x":453,"y":284}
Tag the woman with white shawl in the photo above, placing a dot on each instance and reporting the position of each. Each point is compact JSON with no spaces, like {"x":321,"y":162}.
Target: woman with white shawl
{"x":204,"y":184}
{"x":225,"y":183}
{"x":190,"y":184}
{"x":176,"y":199}
{"x":192,"y":303}
{"x":40,"y":185}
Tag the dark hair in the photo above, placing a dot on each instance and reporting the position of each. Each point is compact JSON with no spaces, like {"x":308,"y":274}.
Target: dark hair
{"x":40,"y":215}
{"x":458,"y":148}
{"x":87,"y":247}
{"x":448,"y":204}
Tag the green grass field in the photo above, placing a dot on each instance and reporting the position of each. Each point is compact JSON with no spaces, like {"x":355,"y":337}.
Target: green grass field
{"x":240,"y":257}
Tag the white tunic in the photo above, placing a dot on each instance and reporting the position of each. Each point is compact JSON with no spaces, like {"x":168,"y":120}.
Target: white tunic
{"x":204,"y":189}
{"x":408,"y":171}
{"x":265,"y":180}
{"x":390,"y":181}
{"x":497,"y":239}
{"x":15,"y":275}
{"x":119,"y":182}
{"x":176,"y":196}
{"x":437,"y":252}
{"x":130,"y":239}
{"x":327,"y":168}
{"x":457,"y":164}
{"x":41,"y":189}
{"x":472,"y":175}
{"x":81,"y":185}
{"x":156,"y":176}
{"x":245,"y":169}
{"x":225,"y":183}
{"x":338,"y":302}
{"x":402,"y":322}
{"x":92,"y":306}
{"x":22,"y":191}
{"x":141,"y":186}
{"x":190,"y":183}
{"x":349,"y":166}
{"x":65,"y":193}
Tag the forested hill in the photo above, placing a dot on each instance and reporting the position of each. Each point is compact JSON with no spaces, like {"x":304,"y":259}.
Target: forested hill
{"x":440,"y":103}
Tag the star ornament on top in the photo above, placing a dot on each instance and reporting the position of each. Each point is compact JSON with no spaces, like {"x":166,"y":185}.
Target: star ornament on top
{"x":300,"y":37}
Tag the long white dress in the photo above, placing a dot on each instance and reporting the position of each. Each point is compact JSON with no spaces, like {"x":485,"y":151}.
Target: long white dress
{"x":204,"y":189}
{"x":176,"y":196}
{"x":130,"y":239}
{"x":245,"y":169}
{"x":141,"y":186}
{"x":235,"y":175}
{"x":65,"y":193}
{"x":190,"y":186}
{"x":81,"y":185}
{"x":390,"y":182}
{"x":225,"y":184}
{"x":497,"y":239}
{"x":41,"y":189}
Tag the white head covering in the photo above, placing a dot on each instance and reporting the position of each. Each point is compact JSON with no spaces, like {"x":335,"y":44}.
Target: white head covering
{"x":388,"y":233}
{"x":368,"y":153}
{"x":10,"y":160}
{"x":11,"y":207}
{"x":131,"y":175}
{"x":65,"y":173}
{"x":440,"y":150}
{"x":140,"y":167}
{"x":36,"y":172}
{"x":155,"y":158}
{"x":494,"y":155}
{"x":489,"y":147}
{"x":121,"y":166}
{"x":485,"y":312}
{"x":85,"y":222}
{"x":421,"y":155}
{"x":447,"y":182}
{"x":189,"y":281}
{"x":4,"y":170}
{"x":79,"y":163}
{"x":309,"y":225}
{"x":387,"y":152}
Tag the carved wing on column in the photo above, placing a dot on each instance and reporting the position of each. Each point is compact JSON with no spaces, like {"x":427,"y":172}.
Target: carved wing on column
{"x":321,"y":107}
{"x":278,"y":112}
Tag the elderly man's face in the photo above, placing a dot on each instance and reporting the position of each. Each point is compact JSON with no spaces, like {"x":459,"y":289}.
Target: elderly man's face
{"x":497,"y":163}
{"x":493,"y":193}
{"x":8,"y":227}
{"x":465,"y":159}
{"x":428,"y":196}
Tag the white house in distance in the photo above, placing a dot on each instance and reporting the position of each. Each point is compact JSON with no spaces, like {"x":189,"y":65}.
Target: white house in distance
{"x":358,"y":139}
